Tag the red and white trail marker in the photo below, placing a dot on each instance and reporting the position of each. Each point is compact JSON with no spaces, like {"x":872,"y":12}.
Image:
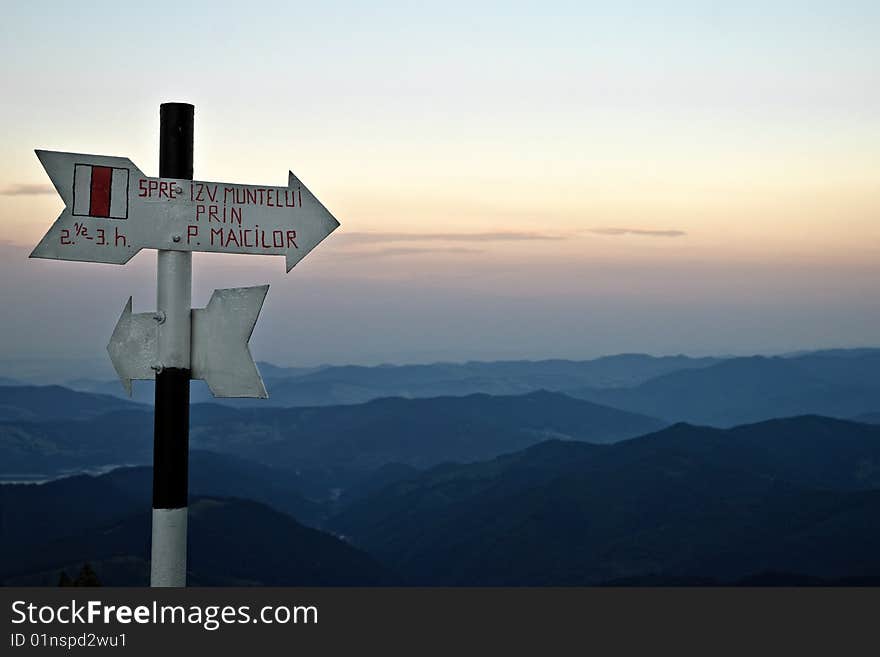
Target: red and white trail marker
{"x":100,"y":191}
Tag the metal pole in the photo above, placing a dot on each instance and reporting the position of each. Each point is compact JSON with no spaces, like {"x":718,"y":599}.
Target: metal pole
{"x":171,"y":420}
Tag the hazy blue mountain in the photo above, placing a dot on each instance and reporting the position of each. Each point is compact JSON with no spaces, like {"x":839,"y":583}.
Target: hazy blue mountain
{"x":231,"y":543}
{"x":40,"y":403}
{"x":58,"y":446}
{"x":143,"y":392}
{"x":741,"y":390}
{"x":855,"y":352}
{"x":378,"y":479}
{"x":716,"y":391}
{"x":868,"y":418}
{"x":271,"y":372}
{"x":327,"y":444}
{"x":797,"y":496}
{"x":847,"y":367}
{"x":415,"y":432}
{"x":350,"y":384}
{"x":354,"y":384}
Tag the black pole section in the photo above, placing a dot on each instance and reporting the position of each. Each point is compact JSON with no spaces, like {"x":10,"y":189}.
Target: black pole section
{"x":171,"y":419}
{"x":176,"y":140}
{"x":171,"y":439}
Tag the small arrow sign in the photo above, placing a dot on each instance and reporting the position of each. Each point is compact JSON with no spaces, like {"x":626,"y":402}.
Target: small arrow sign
{"x":112,"y":211}
{"x":132,"y":346}
{"x":220,"y":335}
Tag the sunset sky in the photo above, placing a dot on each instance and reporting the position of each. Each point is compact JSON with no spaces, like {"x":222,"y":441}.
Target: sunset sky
{"x":513,"y":179}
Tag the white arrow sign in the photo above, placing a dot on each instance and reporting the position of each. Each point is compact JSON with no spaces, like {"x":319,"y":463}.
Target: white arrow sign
{"x":132,"y":346}
{"x":220,"y":335}
{"x":112,"y":211}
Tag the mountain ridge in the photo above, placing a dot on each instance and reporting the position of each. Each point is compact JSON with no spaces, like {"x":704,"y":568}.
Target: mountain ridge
{"x":682,"y":501}
{"x":348,"y":440}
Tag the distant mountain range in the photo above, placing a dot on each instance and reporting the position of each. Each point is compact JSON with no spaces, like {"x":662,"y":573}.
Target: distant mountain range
{"x":714,"y":391}
{"x":741,"y":390}
{"x":417,"y":432}
{"x":790,"y":501}
{"x":788,"y":496}
{"x":350,"y":384}
{"x":42,"y":403}
{"x":593,"y":480}
{"x":337,"y":445}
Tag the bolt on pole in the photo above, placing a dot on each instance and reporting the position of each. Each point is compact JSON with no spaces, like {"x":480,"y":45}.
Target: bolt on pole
{"x":173,"y":369}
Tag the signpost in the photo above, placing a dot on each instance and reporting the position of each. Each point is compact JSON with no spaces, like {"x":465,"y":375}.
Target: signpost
{"x":112,"y":211}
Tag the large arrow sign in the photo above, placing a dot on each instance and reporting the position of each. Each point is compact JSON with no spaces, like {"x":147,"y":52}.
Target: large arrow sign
{"x":112,"y":211}
{"x":220,"y":335}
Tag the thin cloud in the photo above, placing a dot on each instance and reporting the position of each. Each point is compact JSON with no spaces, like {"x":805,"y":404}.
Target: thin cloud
{"x":643,"y":232}
{"x":24,"y":189}
{"x":406,"y":251}
{"x":495,"y":236}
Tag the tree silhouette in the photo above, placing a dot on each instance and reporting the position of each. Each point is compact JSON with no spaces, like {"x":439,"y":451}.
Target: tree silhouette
{"x":86,"y":577}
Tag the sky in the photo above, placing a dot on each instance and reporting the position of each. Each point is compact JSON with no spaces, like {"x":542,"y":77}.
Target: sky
{"x":513,"y":179}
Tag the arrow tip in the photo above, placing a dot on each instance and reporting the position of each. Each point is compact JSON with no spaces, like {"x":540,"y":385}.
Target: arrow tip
{"x":121,"y":325}
{"x":43,"y":156}
{"x":220,"y":335}
{"x":325,"y":222}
